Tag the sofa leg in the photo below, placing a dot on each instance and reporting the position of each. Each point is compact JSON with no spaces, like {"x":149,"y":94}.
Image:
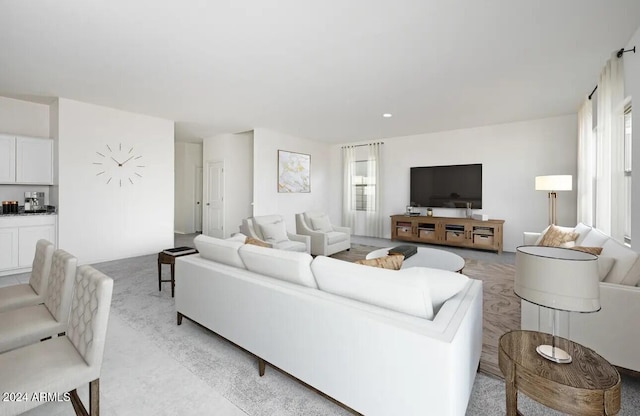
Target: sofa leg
{"x":261,"y":366}
{"x":179,"y":318}
{"x":94,"y":400}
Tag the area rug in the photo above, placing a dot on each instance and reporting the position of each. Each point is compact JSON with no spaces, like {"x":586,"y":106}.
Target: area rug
{"x":501,"y":307}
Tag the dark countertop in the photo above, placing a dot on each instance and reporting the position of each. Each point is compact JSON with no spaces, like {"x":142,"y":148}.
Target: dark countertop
{"x":27,"y":214}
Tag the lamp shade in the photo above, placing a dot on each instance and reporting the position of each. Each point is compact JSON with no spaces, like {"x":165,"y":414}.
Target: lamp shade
{"x":558,"y":278}
{"x":554,"y":183}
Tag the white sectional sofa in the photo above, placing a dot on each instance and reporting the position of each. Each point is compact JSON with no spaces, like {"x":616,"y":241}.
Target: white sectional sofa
{"x":372,"y":339}
{"x":614,"y":331}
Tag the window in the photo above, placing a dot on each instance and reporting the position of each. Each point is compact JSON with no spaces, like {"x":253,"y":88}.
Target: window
{"x":364,"y":183}
{"x":627,"y":175}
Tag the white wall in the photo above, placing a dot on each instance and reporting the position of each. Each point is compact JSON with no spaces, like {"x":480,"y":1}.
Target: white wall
{"x":24,"y":118}
{"x":236,"y":151}
{"x":266,"y":198}
{"x":632,"y":89}
{"x":188,"y":158}
{"x":99,"y":221}
{"x":512,"y":155}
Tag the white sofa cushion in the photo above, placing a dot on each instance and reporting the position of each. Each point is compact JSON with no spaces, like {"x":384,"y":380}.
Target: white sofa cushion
{"x":238,"y":237}
{"x":604,"y":266}
{"x":291,"y":246}
{"x":275,"y":232}
{"x":443,"y":284}
{"x":595,"y":238}
{"x":582,"y":230}
{"x":626,"y":259}
{"x":291,"y":266}
{"x":220,"y":251}
{"x":336,"y":237}
{"x":407,"y":293}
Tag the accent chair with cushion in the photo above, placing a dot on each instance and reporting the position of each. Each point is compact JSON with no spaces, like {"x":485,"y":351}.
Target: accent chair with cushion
{"x":326,"y":239}
{"x":272,"y":230}
{"x":63,"y":364}
{"x":30,"y":324}
{"x":32,"y":293}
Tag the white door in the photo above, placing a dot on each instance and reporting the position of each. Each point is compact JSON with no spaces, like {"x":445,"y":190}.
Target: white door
{"x":198,"y":202}
{"x":214,"y":200}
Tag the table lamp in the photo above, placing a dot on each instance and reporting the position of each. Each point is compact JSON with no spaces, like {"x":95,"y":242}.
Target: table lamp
{"x":552,"y":184}
{"x":560,"y":279}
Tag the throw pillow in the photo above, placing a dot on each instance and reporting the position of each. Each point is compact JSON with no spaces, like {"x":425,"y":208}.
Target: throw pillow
{"x":275,"y":232}
{"x":556,"y":237}
{"x":443,"y":284}
{"x":256,"y":242}
{"x":591,"y":250}
{"x":237,"y":237}
{"x":387,"y":262}
{"x":321,"y":223}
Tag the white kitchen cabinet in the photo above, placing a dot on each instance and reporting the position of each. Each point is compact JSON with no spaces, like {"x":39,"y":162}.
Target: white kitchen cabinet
{"x":34,"y":160}
{"x":7,"y":158}
{"x":8,"y":248}
{"x":26,"y":160}
{"x":18,"y":237}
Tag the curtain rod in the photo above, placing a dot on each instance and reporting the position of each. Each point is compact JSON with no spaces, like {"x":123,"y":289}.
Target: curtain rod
{"x":360,"y":145}
{"x":619,"y":55}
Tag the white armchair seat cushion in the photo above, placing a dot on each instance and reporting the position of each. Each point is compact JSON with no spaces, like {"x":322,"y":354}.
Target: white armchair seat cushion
{"x":336,"y":237}
{"x":55,"y":365}
{"x":291,"y":246}
{"x":275,"y":232}
{"x":291,"y":266}
{"x":407,"y":293}
{"x":28,"y":325}
{"x":220,"y":251}
{"x":18,"y":296}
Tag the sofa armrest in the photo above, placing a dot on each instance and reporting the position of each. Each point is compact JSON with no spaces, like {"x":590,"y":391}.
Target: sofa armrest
{"x":530,"y":239}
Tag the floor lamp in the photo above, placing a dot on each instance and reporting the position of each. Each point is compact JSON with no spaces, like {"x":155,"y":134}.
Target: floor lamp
{"x":552,"y":184}
{"x":560,"y":279}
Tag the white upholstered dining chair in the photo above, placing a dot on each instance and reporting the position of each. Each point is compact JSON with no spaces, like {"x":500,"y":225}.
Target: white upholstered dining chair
{"x":32,"y":293}
{"x":30,"y":324}
{"x":61,"y":365}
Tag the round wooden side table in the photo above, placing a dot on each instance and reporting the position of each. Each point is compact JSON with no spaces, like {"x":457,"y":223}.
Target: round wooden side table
{"x":587,"y":386}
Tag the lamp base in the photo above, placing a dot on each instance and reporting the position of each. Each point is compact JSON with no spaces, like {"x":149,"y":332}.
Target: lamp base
{"x":554,"y":354}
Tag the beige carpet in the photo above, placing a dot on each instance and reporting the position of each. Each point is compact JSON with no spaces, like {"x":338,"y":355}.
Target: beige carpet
{"x":501,"y":310}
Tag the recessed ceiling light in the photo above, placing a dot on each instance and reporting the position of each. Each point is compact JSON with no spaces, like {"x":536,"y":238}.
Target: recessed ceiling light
{"x":387,"y":115}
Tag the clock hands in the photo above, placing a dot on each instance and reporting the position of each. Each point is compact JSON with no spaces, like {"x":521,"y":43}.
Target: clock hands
{"x":126,"y":161}
{"x":114,"y":159}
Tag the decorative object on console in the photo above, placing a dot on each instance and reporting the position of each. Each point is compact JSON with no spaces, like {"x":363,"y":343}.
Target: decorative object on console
{"x":480,"y":217}
{"x":552,"y":184}
{"x":559,"y":279}
{"x":294,"y":172}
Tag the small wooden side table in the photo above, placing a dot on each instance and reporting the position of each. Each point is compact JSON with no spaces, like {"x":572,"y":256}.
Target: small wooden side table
{"x":587,"y":386}
{"x":164,"y":258}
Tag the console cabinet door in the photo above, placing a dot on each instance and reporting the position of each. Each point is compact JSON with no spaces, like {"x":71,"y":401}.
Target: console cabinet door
{"x":7,"y":159}
{"x":28,"y":237}
{"x":34,"y":160}
{"x":8,"y":248}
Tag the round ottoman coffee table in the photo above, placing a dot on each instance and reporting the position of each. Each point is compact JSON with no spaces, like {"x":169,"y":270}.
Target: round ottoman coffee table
{"x":426,"y":257}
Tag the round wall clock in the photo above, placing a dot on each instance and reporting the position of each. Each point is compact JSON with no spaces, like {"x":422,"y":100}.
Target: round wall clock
{"x":119,"y":165}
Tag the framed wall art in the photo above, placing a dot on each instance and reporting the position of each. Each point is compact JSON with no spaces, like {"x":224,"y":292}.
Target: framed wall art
{"x":294,"y":172}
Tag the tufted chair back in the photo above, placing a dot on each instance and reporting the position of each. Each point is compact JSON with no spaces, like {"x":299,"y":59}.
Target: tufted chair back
{"x":90,"y":314}
{"x":41,"y":267}
{"x":61,"y":280}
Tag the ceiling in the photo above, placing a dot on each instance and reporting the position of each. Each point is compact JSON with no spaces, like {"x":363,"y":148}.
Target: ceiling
{"x":323,"y":70}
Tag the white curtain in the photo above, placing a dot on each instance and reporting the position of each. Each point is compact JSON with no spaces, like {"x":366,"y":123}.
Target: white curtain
{"x":586,"y":163}
{"x":373,"y":218}
{"x":610,"y":150}
{"x":348,"y":191}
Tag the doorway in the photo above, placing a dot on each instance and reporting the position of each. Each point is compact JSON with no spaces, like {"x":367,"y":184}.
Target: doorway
{"x":214,"y":200}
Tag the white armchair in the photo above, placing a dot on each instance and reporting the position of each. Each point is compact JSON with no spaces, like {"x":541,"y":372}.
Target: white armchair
{"x":32,"y":293}
{"x":326,"y":239}
{"x":272,"y":230}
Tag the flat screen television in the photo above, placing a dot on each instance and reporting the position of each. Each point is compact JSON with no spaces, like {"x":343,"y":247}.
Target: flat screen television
{"x":447,"y":186}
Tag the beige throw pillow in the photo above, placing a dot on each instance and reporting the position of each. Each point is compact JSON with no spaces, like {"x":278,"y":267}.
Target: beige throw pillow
{"x":387,"y":262}
{"x":556,"y":237}
{"x":591,"y":250}
{"x":256,"y":242}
